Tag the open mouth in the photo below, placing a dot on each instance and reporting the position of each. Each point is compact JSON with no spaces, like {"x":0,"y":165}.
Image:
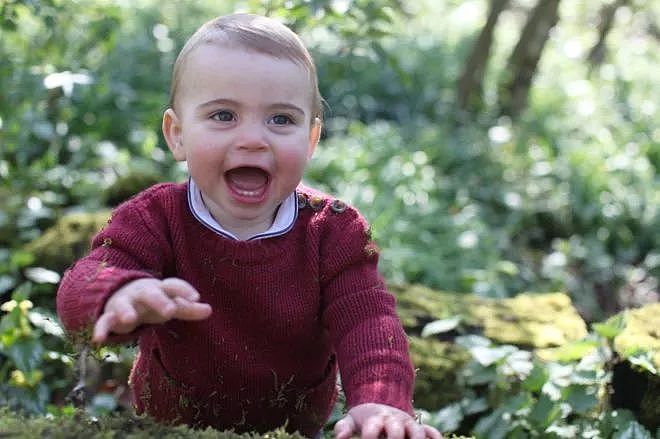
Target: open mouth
{"x":248,"y":183}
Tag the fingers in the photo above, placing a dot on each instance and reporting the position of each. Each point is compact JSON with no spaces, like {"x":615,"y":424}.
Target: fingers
{"x":154,"y":306}
{"x":104,"y":326}
{"x":345,"y":427}
{"x":395,"y":430}
{"x":149,"y":301}
{"x":415,"y":430}
{"x":175,"y":287}
{"x":372,"y":428}
{"x":432,"y":433}
{"x":191,"y":310}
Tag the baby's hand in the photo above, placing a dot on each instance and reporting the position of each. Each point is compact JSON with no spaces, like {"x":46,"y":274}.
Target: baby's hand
{"x":368,"y":421}
{"x":149,"y":301}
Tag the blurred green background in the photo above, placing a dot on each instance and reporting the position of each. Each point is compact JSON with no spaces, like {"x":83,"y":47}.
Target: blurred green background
{"x":495,"y":146}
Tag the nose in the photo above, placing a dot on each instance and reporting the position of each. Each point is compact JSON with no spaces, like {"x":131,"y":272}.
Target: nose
{"x":251,"y":136}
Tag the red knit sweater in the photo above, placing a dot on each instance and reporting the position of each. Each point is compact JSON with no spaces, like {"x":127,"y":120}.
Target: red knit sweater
{"x":287,"y":311}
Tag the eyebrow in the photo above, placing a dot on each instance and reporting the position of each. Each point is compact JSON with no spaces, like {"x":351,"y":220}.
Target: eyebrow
{"x":231,"y":102}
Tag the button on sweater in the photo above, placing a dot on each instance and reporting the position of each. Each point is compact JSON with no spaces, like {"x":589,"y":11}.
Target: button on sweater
{"x":288,"y":313}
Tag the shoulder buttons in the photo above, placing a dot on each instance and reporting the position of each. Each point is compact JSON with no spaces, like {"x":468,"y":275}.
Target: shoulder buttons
{"x":338,"y":206}
{"x":302,"y":201}
{"x":316,"y":203}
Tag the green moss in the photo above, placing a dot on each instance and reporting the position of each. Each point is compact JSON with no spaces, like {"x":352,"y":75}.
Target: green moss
{"x":641,"y":332}
{"x":130,"y":184}
{"x":418,"y":305}
{"x":437,"y":366}
{"x":67,"y":240}
{"x":126,"y":426}
{"x":531,"y":320}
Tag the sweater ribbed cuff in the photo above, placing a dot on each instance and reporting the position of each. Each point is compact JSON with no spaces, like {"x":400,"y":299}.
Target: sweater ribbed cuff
{"x":380,"y":392}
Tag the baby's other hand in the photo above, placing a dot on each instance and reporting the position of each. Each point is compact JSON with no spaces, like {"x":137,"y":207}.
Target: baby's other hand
{"x":370,"y":420}
{"x":149,"y":301}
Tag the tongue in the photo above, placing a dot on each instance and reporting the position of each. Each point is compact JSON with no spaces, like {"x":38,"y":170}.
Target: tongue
{"x":247,"y":178}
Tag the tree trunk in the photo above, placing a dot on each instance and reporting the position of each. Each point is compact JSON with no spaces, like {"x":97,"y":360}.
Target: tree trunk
{"x":524,"y":60}
{"x":607,"y":13}
{"x":470,"y":84}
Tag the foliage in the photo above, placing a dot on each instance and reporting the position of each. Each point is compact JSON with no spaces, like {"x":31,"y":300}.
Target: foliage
{"x":510,"y":392}
{"x":565,"y":199}
{"x":32,"y":355}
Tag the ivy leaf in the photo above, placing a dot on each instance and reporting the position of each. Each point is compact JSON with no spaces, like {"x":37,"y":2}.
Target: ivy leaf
{"x":544,"y":412}
{"x":643,"y":360}
{"x":536,"y":379}
{"x":581,"y":398}
{"x":487,"y":355}
{"x":449,"y":418}
{"x":26,"y":355}
{"x":498,"y":424}
{"x":440,"y":326}
{"x":476,"y":374}
{"x":634,"y":430}
{"x":471,"y":341}
{"x":611,"y":327}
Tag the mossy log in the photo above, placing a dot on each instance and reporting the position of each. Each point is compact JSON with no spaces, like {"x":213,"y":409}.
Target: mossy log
{"x":80,"y":425}
{"x":635,"y":388}
{"x":67,"y":240}
{"x":529,"y":320}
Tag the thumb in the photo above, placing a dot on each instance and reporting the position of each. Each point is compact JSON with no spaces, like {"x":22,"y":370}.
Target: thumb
{"x":345,"y":427}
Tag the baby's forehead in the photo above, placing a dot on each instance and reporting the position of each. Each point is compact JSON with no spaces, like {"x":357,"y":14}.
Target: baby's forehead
{"x":266,"y":47}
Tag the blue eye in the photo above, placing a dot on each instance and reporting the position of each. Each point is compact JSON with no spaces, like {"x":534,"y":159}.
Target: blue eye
{"x":281,"y":119}
{"x":223,"y":116}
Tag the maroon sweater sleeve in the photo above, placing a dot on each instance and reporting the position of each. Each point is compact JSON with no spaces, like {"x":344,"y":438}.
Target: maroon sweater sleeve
{"x":132,"y":246}
{"x":359,"y":312}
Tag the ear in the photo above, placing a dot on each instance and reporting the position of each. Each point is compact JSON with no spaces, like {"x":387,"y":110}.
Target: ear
{"x":314,"y":136}
{"x":173,"y":135}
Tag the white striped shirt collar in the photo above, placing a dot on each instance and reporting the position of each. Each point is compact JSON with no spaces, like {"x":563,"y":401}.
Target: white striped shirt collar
{"x":284,"y":219}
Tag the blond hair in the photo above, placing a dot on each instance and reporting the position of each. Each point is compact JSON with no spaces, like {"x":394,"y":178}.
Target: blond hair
{"x":255,"y":33}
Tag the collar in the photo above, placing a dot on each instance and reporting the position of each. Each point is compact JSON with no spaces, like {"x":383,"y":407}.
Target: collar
{"x":284,"y":219}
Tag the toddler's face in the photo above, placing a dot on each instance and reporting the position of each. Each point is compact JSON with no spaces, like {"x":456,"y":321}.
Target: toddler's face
{"x":243,"y":124}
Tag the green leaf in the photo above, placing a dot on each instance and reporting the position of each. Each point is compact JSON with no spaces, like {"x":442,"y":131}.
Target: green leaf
{"x":536,"y":379}
{"x":634,"y":430}
{"x":574,"y":351}
{"x":519,"y":363}
{"x":470,"y":341}
{"x":440,"y":326}
{"x":472,"y":406}
{"x":476,"y":374}
{"x":544,"y":412}
{"x":487,"y":355}
{"x":582,"y":399}
{"x":611,"y":327}
{"x":27,"y":354}
{"x":46,"y":321}
{"x":643,"y":360}
{"x":449,"y":418}
{"x":498,"y":424}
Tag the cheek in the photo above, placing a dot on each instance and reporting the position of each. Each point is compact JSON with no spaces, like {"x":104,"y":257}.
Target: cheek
{"x":294,"y":160}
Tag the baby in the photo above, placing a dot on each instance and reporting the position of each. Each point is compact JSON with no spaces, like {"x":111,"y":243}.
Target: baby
{"x":246,"y":290}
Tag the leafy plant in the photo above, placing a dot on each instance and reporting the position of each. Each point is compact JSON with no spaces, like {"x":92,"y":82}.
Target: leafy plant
{"x":511,"y":393}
